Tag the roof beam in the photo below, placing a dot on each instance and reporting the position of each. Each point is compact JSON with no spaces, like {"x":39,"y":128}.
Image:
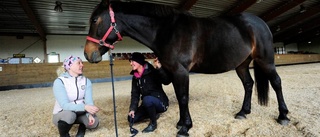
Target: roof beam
{"x":297,"y":19}
{"x":32,"y":17}
{"x":304,"y":37}
{"x":187,"y":4}
{"x":298,"y":30}
{"x":278,"y":10}
{"x":241,"y":6}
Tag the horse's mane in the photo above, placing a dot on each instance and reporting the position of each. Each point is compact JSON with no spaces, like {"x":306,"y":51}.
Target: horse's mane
{"x":141,"y":8}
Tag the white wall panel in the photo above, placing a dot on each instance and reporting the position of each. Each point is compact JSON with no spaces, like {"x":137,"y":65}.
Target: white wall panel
{"x":31,"y":46}
{"x":64,"y":45}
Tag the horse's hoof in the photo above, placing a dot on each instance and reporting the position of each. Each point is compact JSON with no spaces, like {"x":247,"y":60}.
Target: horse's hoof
{"x":183,"y":135}
{"x":183,"y":132}
{"x":240,"y":117}
{"x":283,"y":122}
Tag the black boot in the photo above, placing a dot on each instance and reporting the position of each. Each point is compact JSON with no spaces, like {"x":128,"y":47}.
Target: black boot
{"x":157,"y":116}
{"x":81,"y":130}
{"x":153,"y":120}
{"x":64,"y":128}
{"x":150,"y":128}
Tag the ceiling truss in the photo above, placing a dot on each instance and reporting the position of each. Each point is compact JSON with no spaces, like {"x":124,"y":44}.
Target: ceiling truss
{"x":298,"y":27}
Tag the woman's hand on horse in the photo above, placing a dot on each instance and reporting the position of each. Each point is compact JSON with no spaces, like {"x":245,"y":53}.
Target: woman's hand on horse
{"x":91,"y":109}
{"x":157,"y":63}
{"x":131,"y":114}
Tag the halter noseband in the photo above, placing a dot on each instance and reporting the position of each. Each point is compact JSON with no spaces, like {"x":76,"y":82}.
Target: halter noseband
{"x":112,"y":26}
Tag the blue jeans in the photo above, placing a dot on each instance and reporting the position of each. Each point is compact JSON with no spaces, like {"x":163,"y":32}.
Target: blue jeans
{"x":147,"y":102}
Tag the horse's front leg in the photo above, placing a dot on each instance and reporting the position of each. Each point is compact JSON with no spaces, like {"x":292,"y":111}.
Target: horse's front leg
{"x":181,"y":87}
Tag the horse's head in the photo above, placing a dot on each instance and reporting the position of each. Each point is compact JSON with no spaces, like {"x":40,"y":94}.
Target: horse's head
{"x":102,"y":34}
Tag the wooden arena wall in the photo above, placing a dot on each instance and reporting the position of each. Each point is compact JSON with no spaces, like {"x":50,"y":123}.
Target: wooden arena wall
{"x":22,"y":74}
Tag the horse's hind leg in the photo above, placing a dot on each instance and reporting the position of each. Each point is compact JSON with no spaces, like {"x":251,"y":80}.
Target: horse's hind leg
{"x":246,"y":79}
{"x":275,"y":82}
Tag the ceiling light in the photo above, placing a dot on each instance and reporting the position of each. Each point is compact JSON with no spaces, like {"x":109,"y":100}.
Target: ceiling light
{"x":77,"y":25}
{"x":302,"y":9}
{"x":58,"y":7}
{"x":258,"y":1}
{"x":300,"y":30}
{"x":278,"y":28}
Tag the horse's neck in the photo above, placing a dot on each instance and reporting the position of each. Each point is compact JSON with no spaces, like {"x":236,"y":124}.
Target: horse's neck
{"x":140,"y":29}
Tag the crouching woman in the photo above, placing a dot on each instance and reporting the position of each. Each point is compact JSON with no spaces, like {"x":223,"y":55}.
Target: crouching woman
{"x":147,"y":86}
{"x":74,"y":103}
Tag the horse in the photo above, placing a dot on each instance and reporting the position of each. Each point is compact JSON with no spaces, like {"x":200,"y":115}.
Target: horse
{"x":184,"y":43}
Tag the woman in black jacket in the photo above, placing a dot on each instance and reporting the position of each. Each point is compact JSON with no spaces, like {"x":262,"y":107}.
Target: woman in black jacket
{"x":147,"y":85}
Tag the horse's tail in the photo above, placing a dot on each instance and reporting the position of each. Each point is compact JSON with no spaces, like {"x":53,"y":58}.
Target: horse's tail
{"x":262,"y":84}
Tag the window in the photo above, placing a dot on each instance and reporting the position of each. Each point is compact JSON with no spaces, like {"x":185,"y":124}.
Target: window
{"x":280,"y":50}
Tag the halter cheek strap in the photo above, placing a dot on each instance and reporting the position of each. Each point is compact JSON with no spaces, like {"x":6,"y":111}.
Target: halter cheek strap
{"x":113,"y":26}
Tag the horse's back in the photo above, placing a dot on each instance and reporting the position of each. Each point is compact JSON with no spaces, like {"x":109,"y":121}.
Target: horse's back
{"x":230,"y":42}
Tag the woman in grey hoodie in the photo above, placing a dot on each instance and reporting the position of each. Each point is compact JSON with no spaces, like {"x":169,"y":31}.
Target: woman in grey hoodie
{"x":74,"y":103}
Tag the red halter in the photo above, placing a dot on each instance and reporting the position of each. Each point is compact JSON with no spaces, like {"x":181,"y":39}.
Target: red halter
{"x":112,"y":26}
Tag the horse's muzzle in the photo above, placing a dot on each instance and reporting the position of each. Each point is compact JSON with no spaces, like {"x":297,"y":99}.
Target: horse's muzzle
{"x":95,"y":57}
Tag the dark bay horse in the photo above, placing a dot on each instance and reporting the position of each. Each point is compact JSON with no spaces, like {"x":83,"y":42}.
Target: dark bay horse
{"x":184,"y":43}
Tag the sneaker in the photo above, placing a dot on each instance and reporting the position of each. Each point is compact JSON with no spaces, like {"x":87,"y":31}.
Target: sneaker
{"x":150,"y":128}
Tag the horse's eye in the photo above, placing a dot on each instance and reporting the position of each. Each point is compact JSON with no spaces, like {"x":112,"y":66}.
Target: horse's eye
{"x":94,"y":20}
